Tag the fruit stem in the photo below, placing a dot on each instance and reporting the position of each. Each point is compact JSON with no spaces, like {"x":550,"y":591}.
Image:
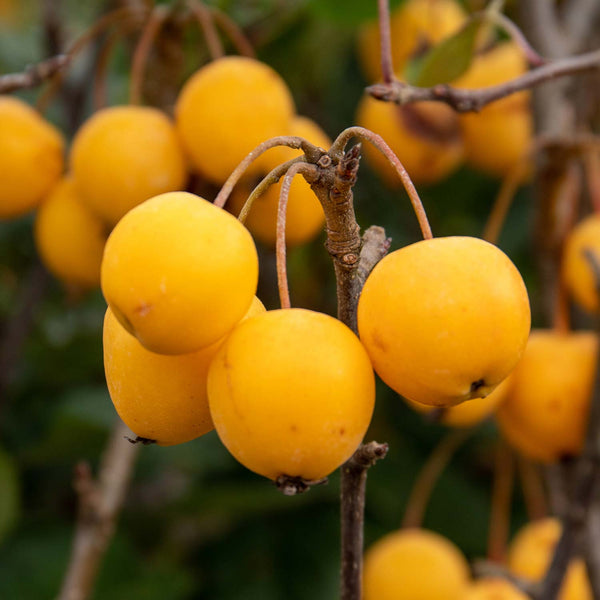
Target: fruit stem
{"x":204,"y":17}
{"x":534,"y":492}
{"x":142,"y":50}
{"x":365,"y":134}
{"x":591,"y":161}
{"x":385,"y":37}
{"x":234,"y":33}
{"x":100,"y":99}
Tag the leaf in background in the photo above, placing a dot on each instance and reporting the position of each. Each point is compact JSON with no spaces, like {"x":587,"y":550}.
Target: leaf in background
{"x":347,"y":12}
{"x":9,"y":494}
{"x":447,"y":60}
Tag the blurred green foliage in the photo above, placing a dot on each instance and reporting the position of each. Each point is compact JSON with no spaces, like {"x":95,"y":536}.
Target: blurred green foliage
{"x":196,"y":524}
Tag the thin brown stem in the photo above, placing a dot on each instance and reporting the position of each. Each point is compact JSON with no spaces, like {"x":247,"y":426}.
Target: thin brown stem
{"x":534,"y":491}
{"x":100,"y":94}
{"x":142,"y":51}
{"x":234,"y":33}
{"x":205,"y":19}
{"x":473,"y":100}
{"x":517,"y":36}
{"x":385,"y":39}
{"x":33,"y":75}
{"x":591,"y":162}
{"x":381,"y":145}
{"x":429,"y":475}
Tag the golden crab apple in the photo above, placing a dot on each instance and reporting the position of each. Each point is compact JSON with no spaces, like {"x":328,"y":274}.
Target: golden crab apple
{"x":160,"y":398}
{"x":531,"y":551}
{"x":444,"y":320}
{"x":179,"y":272}
{"x":577,"y":271}
{"x":424,"y":136}
{"x":31,"y":157}
{"x":291,"y":393}
{"x":414,"y":564}
{"x":124,"y":155}
{"x":69,"y":237}
{"x":226,"y":109}
{"x":546,"y":412}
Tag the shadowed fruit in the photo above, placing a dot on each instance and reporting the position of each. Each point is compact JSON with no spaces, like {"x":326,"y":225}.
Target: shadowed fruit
{"x":179,"y":272}
{"x":161,"y":398}
{"x":444,"y":320}
{"x":291,"y":392}
{"x":493,"y":588}
{"x":226,"y":109}
{"x":31,"y":157}
{"x":304,"y":217}
{"x":577,"y":270}
{"x":124,"y":155}
{"x":530,"y":554}
{"x":546,"y":411}
{"x":69,"y":237}
{"x":414,"y":564}
{"x":425,"y":137}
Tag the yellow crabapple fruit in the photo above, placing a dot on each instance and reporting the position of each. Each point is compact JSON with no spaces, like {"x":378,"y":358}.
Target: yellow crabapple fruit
{"x":413,"y":25}
{"x":304,"y":216}
{"x":226,"y":109}
{"x":577,"y":271}
{"x":425,"y":136}
{"x":291,"y":392}
{"x":414,"y":564}
{"x":31,"y":157}
{"x":531,"y":551}
{"x":546,"y":411}
{"x":470,"y":412}
{"x":161,"y":398}
{"x":179,"y":272}
{"x":493,"y":588}
{"x":124,"y":155}
{"x":444,"y":320}
{"x":69,"y":237}
{"x":500,"y":135}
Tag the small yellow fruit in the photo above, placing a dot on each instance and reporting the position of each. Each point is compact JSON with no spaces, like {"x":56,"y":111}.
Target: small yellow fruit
{"x":304,"y":217}
{"x":500,"y":135}
{"x":444,"y":320}
{"x":414,"y":564}
{"x":291,"y":392}
{"x":414,"y":25}
{"x":577,"y":271}
{"x":31,"y":157}
{"x":424,"y":136}
{"x":494,"y":588}
{"x":69,"y":237}
{"x":530,"y":554}
{"x":226,"y":109}
{"x":546,"y":411}
{"x":471,"y":412}
{"x":124,"y":155}
{"x":179,"y":273}
{"x":160,"y":398}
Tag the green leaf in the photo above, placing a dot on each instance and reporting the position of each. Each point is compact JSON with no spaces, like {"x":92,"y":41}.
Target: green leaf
{"x":447,"y":60}
{"x":9,"y":494}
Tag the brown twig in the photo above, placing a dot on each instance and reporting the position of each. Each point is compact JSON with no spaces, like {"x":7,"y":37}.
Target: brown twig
{"x":99,"y":505}
{"x":465,"y":100}
{"x":234,"y":33}
{"x":485,"y":568}
{"x":533,"y":488}
{"x":385,"y":37}
{"x":100,"y":94}
{"x":33,"y":75}
{"x":204,"y":17}
{"x":353,"y":487}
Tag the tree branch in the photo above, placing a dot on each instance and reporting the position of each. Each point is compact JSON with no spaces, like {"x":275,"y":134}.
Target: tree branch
{"x":464,"y":100}
{"x":33,"y":75}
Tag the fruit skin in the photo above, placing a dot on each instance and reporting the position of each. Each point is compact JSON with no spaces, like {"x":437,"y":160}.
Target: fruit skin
{"x":531,"y":551}
{"x":124,"y":155}
{"x":500,"y":135}
{"x":494,"y":588}
{"x":159,"y":397}
{"x":413,"y":24}
{"x":179,"y":272}
{"x":414,"y":564}
{"x":226,"y":109}
{"x":471,"y":412}
{"x":576,"y":269}
{"x":291,"y":392}
{"x":304,"y":216}
{"x":444,"y":320}
{"x":31,"y":157}
{"x":424,"y":136}
{"x":546,"y":411}
{"x":69,"y":237}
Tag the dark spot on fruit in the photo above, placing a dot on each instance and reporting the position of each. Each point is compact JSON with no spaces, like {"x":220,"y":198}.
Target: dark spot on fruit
{"x":378,"y":341}
{"x":143,"y":309}
{"x":140,"y":440}
{"x":342,"y":431}
{"x":477,"y":385}
{"x":293,"y":428}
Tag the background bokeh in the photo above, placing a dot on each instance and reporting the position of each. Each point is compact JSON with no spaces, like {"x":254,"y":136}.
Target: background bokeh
{"x":196,"y":524}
